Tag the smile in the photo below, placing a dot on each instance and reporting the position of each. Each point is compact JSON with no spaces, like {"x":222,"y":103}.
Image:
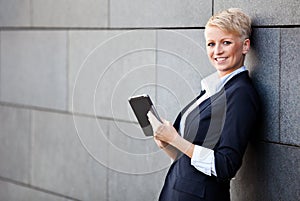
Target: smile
{"x":220,"y":58}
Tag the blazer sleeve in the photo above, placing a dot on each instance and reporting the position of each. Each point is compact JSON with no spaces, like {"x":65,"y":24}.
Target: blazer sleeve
{"x":239,"y":125}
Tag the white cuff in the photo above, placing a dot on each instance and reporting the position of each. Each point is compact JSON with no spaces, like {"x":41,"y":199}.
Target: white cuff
{"x":203,"y":159}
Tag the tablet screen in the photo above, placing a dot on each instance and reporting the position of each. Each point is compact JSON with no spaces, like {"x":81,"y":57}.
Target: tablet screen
{"x":141,"y":105}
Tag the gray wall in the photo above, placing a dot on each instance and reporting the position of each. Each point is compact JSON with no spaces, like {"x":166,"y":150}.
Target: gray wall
{"x":67,"y":69}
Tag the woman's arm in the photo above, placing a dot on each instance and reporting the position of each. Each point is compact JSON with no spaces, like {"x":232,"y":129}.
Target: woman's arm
{"x":167,"y":134}
{"x":167,"y":138}
{"x":240,"y":123}
{"x":171,"y":142}
{"x":171,"y":151}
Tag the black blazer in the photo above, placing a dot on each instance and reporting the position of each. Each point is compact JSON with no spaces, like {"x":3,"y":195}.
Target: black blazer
{"x":224,"y":122}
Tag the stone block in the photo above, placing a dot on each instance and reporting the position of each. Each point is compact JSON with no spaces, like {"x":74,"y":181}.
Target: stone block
{"x":11,"y":191}
{"x":33,"y":68}
{"x":181,"y":64}
{"x":131,"y":153}
{"x":14,"y":144}
{"x":66,"y":13}
{"x":84,"y":68}
{"x":135,"y":187}
{"x":268,"y":173}
{"x":265,"y":12}
{"x":63,"y":152}
{"x":289,"y":91}
{"x":107,"y":67}
{"x":263,"y":61}
{"x":14,"y":13}
{"x":165,"y":13}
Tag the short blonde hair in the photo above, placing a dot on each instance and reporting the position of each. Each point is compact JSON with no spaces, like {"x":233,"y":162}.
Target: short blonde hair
{"x":232,"y":20}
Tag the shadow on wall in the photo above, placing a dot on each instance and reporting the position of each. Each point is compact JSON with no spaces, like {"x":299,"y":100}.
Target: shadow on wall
{"x":269,"y":167}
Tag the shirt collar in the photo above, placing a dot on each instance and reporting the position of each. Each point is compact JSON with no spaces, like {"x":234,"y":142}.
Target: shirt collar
{"x":226,"y":78}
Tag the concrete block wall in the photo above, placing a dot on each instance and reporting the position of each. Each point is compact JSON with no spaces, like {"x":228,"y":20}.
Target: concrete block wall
{"x":67,"y":69}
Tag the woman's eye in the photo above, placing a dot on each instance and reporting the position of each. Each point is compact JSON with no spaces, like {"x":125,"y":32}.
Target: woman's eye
{"x":226,"y":42}
{"x":210,"y":44}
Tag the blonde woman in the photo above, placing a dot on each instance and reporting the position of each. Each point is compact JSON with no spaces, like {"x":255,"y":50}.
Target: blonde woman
{"x":210,"y":135}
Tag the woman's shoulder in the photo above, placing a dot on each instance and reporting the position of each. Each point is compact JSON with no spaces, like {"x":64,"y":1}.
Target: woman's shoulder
{"x":241,"y":81}
{"x":241,"y":86}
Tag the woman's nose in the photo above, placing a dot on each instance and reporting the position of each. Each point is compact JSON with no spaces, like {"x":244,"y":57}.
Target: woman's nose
{"x":218,"y":49}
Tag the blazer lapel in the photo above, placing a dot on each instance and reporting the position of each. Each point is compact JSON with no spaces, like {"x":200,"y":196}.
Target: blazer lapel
{"x":198,"y":110}
{"x":178,"y":118}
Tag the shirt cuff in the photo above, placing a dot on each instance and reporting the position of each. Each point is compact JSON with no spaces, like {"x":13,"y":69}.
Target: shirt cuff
{"x":203,"y":159}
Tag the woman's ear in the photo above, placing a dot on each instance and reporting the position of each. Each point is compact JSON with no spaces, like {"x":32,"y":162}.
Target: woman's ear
{"x":246,"y":46}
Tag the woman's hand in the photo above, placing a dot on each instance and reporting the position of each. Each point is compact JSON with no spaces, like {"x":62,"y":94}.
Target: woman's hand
{"x":160,"y":144}
{"x":166,"y":132}
{"x":160,"y":130}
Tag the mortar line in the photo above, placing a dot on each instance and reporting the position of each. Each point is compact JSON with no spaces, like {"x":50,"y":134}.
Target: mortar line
{"x":280,"y":143}
{"x":56,"y":111}
{"x":24,"y":28}
{"x":40,"y":28}
{"x":31,"y":144}
{"x":108,"y":14}
{"x":108,"y":165}
{"x":31,"y":13}
{"x":156,"y":67}
{"x":279,"y":86}
{"x":0,"y":64}
{"x":67,"y":70}
{"x":18,"y":183}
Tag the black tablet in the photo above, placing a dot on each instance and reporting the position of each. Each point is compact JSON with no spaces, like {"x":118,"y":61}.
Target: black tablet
{"x":141,"y":105}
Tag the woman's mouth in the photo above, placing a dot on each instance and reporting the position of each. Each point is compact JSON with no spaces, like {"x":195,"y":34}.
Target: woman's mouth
{"x":221,"y":60}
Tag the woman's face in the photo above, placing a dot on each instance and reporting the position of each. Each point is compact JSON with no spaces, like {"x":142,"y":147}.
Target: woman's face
{"x":226,"y":51}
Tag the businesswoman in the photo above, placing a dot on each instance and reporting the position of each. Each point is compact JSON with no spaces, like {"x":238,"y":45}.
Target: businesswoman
{"x":210,"y":135}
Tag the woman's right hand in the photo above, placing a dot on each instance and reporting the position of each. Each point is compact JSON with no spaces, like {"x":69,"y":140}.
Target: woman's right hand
{"x":155,"y":123}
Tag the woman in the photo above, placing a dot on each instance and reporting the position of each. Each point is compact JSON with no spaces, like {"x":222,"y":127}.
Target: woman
{"x":210,"y":136}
